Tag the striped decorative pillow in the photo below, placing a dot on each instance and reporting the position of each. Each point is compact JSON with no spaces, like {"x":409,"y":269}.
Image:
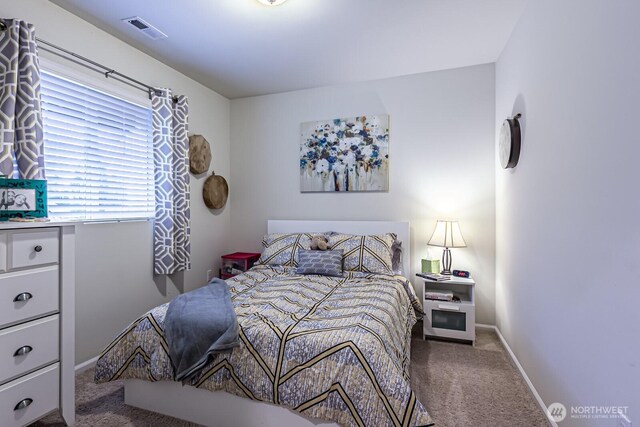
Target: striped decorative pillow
{"x":324,"y":263}
{"x":369,"y":254}
{"x":282,"y":249}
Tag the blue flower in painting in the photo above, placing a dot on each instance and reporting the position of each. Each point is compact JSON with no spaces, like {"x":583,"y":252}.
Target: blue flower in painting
{"x":331,"y":159}
{"x":336,"y":122}
{"x":303,"y":163}
{"x":354,"y":147}
{"x":311,"y":155}
{"x":374,"y":154}
{"x":340,"y":134}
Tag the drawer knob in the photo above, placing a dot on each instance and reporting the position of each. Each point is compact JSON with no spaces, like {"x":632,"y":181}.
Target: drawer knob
{"x":23,"y":350}
{"x":25,"y":296}
{"x":38,"y":248}
{"x":23,"y":404}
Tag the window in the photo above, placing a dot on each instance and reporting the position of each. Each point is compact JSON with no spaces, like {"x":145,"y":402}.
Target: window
{"x":98,"y":153}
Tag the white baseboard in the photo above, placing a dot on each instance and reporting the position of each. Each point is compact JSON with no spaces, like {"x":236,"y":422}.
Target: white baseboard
{"x":524,"y":375}
{"x":80,"y":368}
{"x":484,"y":326}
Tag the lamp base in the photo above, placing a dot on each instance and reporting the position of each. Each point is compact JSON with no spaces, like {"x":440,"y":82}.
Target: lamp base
{"x":446,"y":262}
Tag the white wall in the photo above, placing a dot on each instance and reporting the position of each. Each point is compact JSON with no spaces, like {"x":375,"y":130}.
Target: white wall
{"x":114,"y":274}
{"x":441,"y":163}
{"x":568,"y":233}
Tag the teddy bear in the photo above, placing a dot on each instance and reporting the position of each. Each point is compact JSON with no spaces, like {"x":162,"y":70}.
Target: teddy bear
{"x":319,"y":243}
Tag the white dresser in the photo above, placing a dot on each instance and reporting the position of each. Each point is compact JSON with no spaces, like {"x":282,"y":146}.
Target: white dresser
{"x":37,"y":274}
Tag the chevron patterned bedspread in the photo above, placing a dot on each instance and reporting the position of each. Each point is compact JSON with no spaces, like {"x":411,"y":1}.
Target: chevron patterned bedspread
{"x":335,"y":348}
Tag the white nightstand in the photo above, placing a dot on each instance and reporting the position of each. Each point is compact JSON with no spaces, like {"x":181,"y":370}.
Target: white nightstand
{"x":450,"y":319}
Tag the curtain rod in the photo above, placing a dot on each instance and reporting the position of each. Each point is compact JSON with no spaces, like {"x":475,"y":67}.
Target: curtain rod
{"x":107,"y":72}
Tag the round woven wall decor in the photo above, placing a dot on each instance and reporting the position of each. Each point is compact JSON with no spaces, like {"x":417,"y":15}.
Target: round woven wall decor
{"x":199,"y":154}
{"x":215,"y":192}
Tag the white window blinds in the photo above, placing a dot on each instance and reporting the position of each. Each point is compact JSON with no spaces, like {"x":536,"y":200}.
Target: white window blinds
{"x":98,"y":153}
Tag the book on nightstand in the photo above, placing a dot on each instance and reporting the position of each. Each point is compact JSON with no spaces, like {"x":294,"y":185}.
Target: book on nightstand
{"x":434,"y":276}
{"x":439,"y":295}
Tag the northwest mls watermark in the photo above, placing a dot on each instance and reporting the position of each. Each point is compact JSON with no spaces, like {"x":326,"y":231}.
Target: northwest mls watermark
{"x":558,"y":412}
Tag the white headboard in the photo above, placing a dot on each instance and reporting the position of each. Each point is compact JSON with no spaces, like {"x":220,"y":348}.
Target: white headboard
{"x":400,"y":228}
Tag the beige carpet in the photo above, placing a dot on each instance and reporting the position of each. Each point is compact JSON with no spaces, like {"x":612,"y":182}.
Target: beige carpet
{"x":459,"y":384}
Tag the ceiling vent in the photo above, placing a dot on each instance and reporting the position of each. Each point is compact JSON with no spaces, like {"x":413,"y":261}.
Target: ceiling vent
{"x":145,"y":28}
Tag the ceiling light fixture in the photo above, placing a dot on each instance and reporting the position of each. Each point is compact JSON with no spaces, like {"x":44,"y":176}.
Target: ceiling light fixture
{"x":272,"y":2}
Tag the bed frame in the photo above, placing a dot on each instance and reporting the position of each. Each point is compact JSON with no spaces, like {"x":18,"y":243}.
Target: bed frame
{"x":222,"y":409}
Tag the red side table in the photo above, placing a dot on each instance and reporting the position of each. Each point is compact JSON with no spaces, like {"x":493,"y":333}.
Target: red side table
{"x":236,"y":263}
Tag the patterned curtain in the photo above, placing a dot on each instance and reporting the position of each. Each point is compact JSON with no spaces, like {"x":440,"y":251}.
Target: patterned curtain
{"x":172,"y":227}
{"x":20,"y":114}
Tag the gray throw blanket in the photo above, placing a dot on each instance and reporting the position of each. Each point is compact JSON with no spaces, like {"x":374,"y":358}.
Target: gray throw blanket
{"x":198,"y":325}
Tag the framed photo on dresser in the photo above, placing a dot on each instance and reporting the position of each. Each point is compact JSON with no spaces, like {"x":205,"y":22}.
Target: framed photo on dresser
{"x":23,"y":198}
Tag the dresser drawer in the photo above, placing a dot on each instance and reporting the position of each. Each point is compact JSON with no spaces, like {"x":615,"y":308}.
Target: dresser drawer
{"x":3,"y":251}
{"x":30,"y":397}
{"x":31,"y":248}
{"x":27,"y":294}
{"x":28,"y":346}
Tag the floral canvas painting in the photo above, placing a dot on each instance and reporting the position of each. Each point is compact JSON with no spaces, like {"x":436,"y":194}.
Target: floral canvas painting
{"x":349,"y":154}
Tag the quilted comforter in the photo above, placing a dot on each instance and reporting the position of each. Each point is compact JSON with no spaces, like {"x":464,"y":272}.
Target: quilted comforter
{"x":335,"y":348}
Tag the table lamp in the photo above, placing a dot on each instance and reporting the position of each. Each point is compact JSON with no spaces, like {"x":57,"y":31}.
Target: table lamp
{"x":447,"y":235}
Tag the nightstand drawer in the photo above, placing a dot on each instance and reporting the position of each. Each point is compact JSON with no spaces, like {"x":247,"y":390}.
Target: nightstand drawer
{"x":30,"y":397}
{"x":449,"y":320}
{"x":28,"y":346}
{"x":31,"y":248}
{"x":27,"y":294}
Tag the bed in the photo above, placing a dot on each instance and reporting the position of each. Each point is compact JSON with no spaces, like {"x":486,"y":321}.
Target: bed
{"x":315,"y":350}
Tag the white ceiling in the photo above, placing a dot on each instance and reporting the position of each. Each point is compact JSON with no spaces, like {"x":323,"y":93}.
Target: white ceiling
{"x":242,"y":48}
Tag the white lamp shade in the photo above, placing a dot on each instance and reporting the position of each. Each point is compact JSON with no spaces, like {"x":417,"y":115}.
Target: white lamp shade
{"x":447,"y":235}
{"x":272,"y":2}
